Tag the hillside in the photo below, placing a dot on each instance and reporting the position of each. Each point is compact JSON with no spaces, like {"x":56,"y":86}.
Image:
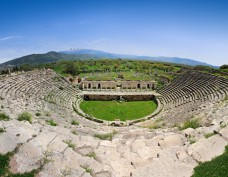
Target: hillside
{"x":49,"y":57}
{"x":102,"y":54}
{"x":77,"y":54}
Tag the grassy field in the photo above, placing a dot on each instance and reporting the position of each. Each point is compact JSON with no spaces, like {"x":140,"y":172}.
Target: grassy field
{"x":111,"y":110}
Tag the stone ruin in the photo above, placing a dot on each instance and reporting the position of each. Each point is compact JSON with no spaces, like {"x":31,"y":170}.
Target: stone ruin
{"x":75,"y":150}
{"x":118,"y":85}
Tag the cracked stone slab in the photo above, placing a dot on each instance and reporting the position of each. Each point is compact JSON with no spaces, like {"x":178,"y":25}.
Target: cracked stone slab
{"x":16,"y":133}
{"x":30,"y":154}
{"x":206,"y":149}
{"x":167,"y":164}
{"x":224,"y":133}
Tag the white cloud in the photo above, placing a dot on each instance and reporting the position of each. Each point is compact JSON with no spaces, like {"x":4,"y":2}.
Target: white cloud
{"x":10,"y":37}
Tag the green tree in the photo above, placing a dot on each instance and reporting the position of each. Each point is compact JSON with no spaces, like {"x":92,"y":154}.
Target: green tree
{"x":72,"y":68}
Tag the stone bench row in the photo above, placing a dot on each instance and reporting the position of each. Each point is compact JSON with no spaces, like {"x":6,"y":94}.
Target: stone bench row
{"x":194,"y":87}
{"x":63,"y":97}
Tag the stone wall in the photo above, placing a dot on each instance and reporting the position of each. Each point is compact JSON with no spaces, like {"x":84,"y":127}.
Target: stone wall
{"x":118,"y":97}
{"x":89,"y":85}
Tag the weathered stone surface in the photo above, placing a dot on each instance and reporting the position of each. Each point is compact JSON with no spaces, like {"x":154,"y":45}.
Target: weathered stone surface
{"x":171,"y":140}
{"x":84,"y":150}
{"x":102,"y":174}
{"x":140,"y":147}
{"x":206,"y":149}
{"x":188,"y":132}
{"x":224,"y":133}
{"x":30,"y":154}
{"x":171,"y":165}
{"x":16,"y":133}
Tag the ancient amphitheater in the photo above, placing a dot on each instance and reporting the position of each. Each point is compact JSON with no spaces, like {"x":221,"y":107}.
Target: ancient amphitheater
{"x":96,"y":149}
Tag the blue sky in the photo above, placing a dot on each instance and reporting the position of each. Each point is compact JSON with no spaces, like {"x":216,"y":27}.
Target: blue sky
{"x":196,"y":29}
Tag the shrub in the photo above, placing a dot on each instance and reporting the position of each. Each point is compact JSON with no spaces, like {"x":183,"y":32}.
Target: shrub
{"x":25,"y":116}
{"x":74,"y":122}
{"x":4,"y":117}
{"x":60,"y":87}
{"x":194,"y":123}
{"x":51,"y":122}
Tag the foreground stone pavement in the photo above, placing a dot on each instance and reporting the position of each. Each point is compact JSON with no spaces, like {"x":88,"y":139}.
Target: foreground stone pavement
{"x":132,"y":151}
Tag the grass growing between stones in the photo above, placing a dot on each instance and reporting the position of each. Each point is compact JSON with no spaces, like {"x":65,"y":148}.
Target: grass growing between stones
{"x":25,"y":116}
{"x":193,"y":123}
{"x":91,"y":155}
{"x":207,"y":135}
{"x":87,"y":169}
{"x":69,"y":143}
{"x":218,"y":167}
{"x":4,"y":117}
{"x":74,"y":122}
{"x":106,"y":136}
{"x":112,"y":110}
{"x":51,"y":122}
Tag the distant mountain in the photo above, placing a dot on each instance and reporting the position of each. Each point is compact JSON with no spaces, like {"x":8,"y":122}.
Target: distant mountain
{"x":76,"y":54}
{"x":102,"y":54}
{"x":43,"y":58}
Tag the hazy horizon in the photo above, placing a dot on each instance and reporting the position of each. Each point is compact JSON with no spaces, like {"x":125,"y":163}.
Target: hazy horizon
{"x":186,"y":29}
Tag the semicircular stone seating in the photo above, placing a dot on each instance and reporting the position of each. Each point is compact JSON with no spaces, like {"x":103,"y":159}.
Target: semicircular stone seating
{"x":193,"y":89}
{"x":31,"y":88}
{"x":63,"y":96}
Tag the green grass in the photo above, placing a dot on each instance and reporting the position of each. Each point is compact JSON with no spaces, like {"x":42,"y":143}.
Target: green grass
{"x":193,"y":123}
{"x":87,"y":169}
{"x":74,"y":122}
{"x":25,"y":116}
{"x":111,"y":110}
{"x":106,"y":136}
{"x":91,"y":155}
{"x":69,"y":143}
{"x":217,"y":167}
{"x":207,"y":135}
{"x":4,"y":162}
{"x":4,"y":117}
{"x":51,"y":122}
